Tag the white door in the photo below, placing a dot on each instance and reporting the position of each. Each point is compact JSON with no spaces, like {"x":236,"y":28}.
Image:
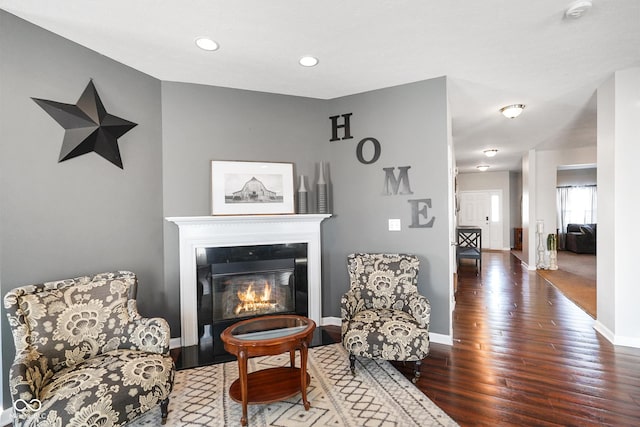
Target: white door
{"x":483,"y":209}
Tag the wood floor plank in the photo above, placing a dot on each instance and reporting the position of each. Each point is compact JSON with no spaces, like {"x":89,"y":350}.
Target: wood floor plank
{"x":523,"y":354}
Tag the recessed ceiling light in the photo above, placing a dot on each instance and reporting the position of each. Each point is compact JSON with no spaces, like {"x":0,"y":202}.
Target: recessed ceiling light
{"x":482,"y":168}
{"x":308,"y":61}
{"x":490,"y":153}
{"x":577,"y":9}
{"x":205,"y":43}
{"x":512,"y":111}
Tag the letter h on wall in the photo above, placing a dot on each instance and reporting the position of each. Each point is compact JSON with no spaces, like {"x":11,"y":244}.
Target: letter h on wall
{"x":335,"y":126}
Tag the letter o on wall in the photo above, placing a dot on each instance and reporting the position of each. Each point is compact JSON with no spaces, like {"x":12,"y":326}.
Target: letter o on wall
{"x":376,"y":151}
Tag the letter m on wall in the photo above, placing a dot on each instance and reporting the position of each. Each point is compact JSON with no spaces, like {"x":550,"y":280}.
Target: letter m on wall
{"x":399,"y":185}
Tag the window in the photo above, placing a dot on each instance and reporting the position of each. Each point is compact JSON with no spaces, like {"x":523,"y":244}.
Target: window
{"x":577,"y":205}
{"x":495,"y":208}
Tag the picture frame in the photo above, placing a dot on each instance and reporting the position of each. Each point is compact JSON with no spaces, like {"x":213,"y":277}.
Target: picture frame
{"x":251,"y":188}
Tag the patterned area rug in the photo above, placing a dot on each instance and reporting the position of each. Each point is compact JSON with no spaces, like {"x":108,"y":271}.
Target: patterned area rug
{"x":378,"y":395}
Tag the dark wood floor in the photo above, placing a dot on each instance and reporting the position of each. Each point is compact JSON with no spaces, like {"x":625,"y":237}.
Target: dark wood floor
{"x":525,"y":355}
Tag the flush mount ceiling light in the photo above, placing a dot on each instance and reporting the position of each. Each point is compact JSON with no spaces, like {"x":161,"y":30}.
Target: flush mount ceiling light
{"x":482,"y":168}
{"x":490,"y":153}
{"x":512,"y":111}
{"x":308,"y":61}
{"x":577,"y":9}
{"x":205,"y":43}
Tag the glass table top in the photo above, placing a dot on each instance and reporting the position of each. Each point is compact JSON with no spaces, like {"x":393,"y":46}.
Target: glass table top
{"x":265,"y":328}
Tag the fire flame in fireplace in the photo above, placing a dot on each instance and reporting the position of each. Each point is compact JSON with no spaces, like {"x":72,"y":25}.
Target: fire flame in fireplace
{"x":252,"y":301}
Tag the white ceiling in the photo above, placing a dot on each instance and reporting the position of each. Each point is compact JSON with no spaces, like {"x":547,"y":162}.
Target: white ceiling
{"x":494,"y":53}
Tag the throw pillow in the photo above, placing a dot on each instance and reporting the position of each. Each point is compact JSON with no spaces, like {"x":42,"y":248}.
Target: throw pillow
{"x":586,"y":229}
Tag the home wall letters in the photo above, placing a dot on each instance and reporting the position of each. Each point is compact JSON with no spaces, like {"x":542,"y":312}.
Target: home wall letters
{"x":393,"y":185}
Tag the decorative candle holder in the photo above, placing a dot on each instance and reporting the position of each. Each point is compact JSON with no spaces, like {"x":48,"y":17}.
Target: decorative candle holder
{"x":302,"y":197}
{"x":321,"y":191}
{"x":540,"y":264}
{"x":552,"y":246}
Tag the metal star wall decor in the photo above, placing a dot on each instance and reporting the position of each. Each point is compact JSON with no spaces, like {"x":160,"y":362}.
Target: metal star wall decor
{"x":88,"y":126}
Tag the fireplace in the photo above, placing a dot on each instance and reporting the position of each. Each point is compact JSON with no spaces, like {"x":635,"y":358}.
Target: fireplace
{"x":201,"y":236}
{"x":239,"y":282}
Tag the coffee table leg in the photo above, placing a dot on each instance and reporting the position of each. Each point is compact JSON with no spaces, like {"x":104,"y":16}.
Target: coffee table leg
{"x":292,"y":358}
{"x":242,"y":367}
{"x":303,"y":375}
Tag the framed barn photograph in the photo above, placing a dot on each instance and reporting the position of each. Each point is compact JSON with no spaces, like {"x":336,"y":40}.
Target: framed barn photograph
{"x":251,"y":188}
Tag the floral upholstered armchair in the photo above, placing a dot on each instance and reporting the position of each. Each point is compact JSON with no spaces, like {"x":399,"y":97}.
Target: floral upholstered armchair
{"x":84,"y":356}
{"x":383,"y":316}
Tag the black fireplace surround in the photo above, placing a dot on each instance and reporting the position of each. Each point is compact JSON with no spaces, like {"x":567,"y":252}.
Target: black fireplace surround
{"x":236,"y":283}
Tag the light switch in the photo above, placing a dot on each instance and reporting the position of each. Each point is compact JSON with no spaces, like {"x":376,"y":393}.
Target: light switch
{"x":394,"y":225}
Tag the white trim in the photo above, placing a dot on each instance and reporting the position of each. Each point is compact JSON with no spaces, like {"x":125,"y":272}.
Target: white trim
{"x":336,"y":321}
{"x":616,"y":339}
{"x":175,"y":343}
{"x":604,"y":331}
{"x":440,"y":338}
{"x":331,"y":321}
{"x":198,"y":232}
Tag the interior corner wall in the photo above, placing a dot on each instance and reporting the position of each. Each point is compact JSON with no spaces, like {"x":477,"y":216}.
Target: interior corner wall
{"x":410,"y":122}
{"x":84,"y":215}
{"x":204,"y":123}
{"x":528,"y":209}
{"x":618,"y":174}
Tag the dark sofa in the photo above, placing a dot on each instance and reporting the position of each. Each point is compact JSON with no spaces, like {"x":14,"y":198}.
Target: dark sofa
{"x":581,"y":238}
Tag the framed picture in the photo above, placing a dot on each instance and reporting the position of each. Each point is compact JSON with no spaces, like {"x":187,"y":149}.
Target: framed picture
{"x":251,"y":188}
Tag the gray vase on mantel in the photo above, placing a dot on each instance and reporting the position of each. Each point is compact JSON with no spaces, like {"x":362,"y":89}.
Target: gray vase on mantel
{"x":302,"y":197}
{"x":321,"y":191}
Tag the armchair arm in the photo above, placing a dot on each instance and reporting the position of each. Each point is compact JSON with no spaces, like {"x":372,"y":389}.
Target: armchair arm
{"x":147,"y":334}
{"x":350,"y":304}
{"x":28,"y":375}
{"x":418,"y":306}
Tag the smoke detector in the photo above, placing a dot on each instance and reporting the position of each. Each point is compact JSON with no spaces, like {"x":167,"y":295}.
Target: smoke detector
{"x":577,"y":9}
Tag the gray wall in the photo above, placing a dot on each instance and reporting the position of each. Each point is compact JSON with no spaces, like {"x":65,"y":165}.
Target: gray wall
{"x":84,"y":215}
{"x":410,"y":121}
{"x":568,"y":177}
{"x":203,"y":123}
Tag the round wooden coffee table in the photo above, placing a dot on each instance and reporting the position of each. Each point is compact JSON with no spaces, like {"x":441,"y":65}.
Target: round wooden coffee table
{"x":269,"y":335}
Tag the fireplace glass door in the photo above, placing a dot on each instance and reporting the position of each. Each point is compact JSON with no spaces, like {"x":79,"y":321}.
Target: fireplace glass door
{"x":236,"y":283}
{"x":247,"y":294}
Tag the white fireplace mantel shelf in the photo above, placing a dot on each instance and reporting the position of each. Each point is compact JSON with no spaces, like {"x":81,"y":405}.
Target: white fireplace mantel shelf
{"x":222,"y":231}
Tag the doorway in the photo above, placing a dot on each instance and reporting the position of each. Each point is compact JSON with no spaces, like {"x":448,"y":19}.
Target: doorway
{"x":483,"y":209}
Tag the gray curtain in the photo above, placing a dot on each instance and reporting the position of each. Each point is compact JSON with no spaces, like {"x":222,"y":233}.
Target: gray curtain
{"x":561,"y":203}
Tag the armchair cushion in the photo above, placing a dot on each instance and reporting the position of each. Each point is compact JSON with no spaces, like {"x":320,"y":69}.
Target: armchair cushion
{"x":84,"y":352}
{"x":386,"y":334}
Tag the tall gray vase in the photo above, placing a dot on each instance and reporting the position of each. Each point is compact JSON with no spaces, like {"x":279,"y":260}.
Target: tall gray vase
{"x":302,"y":197}
{"x":321,"y":191}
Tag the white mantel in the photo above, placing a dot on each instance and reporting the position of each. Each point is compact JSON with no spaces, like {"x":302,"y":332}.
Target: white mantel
{"x":222,"y":231}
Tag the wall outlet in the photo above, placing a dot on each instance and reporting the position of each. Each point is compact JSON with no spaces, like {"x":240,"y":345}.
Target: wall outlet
{"x":394,"y":225}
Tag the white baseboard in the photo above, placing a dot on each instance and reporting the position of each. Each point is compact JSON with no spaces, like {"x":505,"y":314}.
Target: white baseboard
{"x":6,"y":417}
{"x":336,"y":321}
{"x":440,"y":338}
{"x":331,"y":321}
{"x":616,"y":339}
{"x":433,"y":337}
{"x":175,"y":343}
